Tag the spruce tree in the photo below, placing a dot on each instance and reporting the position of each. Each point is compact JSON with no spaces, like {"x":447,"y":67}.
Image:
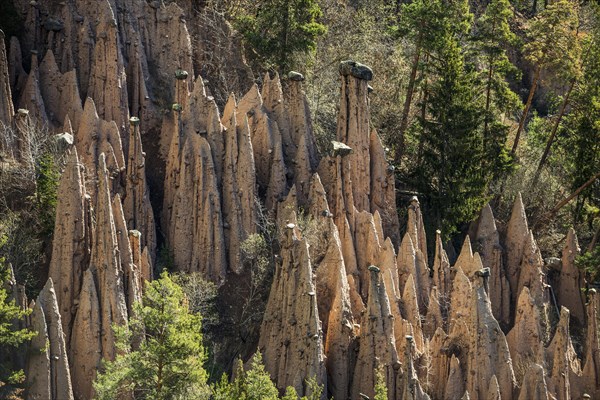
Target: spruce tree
{"x":492,"y":36}
{"x":278,"y":29}
{"x":256,"y":384}
{"x":450,"y":176}
{"x":423,"y":23}
{"x":380,"y":388}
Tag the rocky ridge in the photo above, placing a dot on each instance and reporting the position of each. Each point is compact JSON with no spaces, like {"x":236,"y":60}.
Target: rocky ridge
{"x":365,"y":299}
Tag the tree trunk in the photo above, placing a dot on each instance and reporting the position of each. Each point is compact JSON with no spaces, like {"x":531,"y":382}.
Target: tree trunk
{"x":553,"y":134}
{"x":536,"y":78}
{"x":423,"y":115}
{"x":564,"y":202}
{"x":407,"y":102}
{"x":159,"y":379}
{"x":283,"y":51}
{"x":488,"y":98}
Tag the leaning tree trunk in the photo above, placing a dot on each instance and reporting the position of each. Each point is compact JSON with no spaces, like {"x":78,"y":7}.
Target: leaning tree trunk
{"x":408,"y":101}
{"x":536,"y":78}
{"x":552,"y":135}
{"x":540,"y":222}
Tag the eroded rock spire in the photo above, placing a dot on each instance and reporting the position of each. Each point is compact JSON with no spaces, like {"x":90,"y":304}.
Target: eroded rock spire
{"x":291,"y":339}
{"x":70,"y":247}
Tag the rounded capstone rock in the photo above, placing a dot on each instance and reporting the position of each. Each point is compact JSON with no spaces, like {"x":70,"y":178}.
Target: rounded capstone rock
{"x":181,"y":74}
{"x":356,"y":69}
{"x":54,"y":25}
{"x":295,"y":76}
{"x":373,"y":268}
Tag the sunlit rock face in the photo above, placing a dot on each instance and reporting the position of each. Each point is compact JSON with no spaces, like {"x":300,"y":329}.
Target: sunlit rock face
{"x":162,"y":157}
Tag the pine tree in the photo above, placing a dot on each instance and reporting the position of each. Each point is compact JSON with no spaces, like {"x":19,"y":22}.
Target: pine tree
{"x":10,"y":337}
{"x":553,"y":45}
{"x":420,"y":22}
{"x":492,"y":36}
{"x":168,"y":363}
{"x":278,"y":29}
{"x":580,"y":139}
{"x":256,"y":384}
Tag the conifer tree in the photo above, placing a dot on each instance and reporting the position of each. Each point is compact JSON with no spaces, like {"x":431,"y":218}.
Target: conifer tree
{"x":423,"y":22}
{"x":256,"y":384}
{"x":380,"y":388}
{"x":580,"y":140}
{"x":168,"y":363}
{"x":450,"y":174}
{"x":277,"y":29}
{"x":492,"y":36}
{"x":10,"y":337}
{"x":552,"y":45}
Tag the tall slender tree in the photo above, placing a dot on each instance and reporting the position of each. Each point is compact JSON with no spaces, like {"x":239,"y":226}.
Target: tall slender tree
{"x":552,"y":45}
{"x":492,"y":37}
{"x":278,"y":29}
{"x":450,"y":175}
{"x":423,"y":23}
{"x":168,"y":363}
{"x":11,"y":336}
{"x":581,"y":131}
{"x":420,"y":22}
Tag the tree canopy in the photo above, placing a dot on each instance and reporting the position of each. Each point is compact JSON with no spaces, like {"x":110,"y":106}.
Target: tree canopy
{"x":168,"y":361}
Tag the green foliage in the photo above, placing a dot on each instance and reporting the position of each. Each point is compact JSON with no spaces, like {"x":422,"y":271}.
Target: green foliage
{"x":47,"y":179}
{"x":278,"y":29}
{"x":590,"y":263}
{"x":10,"y":335}
{"x":28,"y":203}
{"x":450,"y":174}
{"x":581,"y":138}
{"x":314,"y":389}
{"x":492,"y":37}
{"x":256,"y":384}
{"x":380,"y":388}
{"x":425,"y":21}
{"x":553,"y":41}
{"x":290,"y":394}
{"x":453,"y":150}
{"x":168,"y":363}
